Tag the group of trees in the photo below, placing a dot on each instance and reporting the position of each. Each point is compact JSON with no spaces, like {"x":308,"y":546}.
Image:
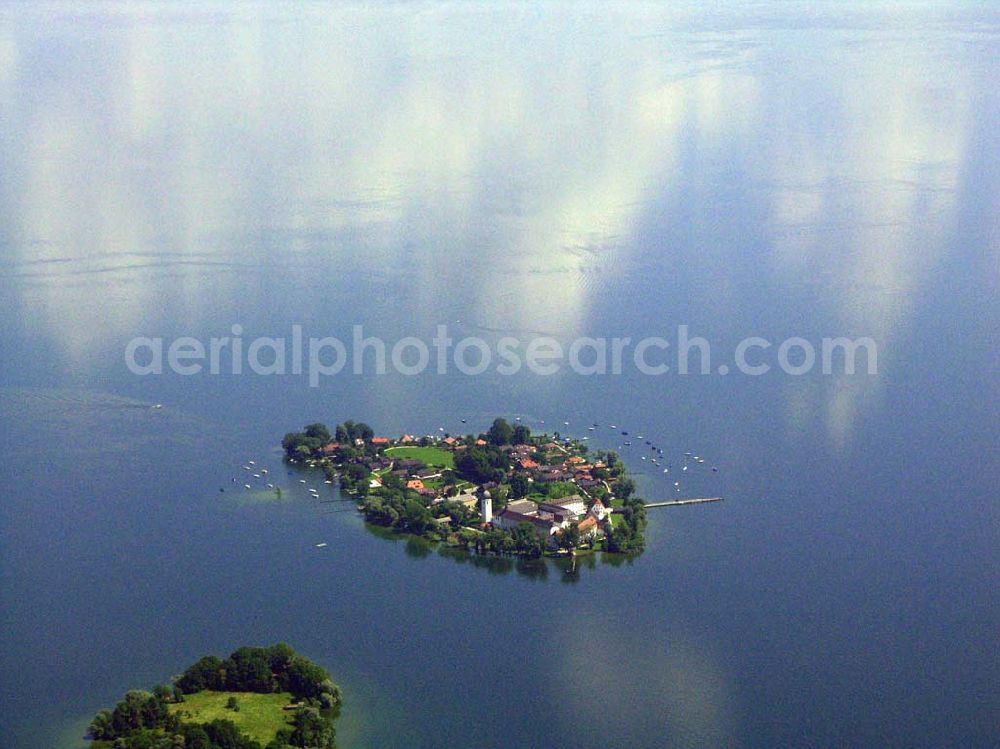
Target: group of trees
{"x":482,"y":464}
{"x":304,"y":444}
{"x":522,"y":541}
{"x":350,"y":431}
{"x":354,"y":479}
{"x":143,"y":720}
{"x":308,"y":442}
{"x":277,"y":668}
{"x":407,"y":511}
{"x":502,"y":433}
{"x":628,"y":535}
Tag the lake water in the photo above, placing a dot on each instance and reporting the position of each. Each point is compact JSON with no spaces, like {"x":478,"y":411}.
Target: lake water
{"x":765,"y":169}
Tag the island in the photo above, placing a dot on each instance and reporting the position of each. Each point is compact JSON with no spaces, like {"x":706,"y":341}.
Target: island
{"x":257,"y":698}
{"x":504,"y":491}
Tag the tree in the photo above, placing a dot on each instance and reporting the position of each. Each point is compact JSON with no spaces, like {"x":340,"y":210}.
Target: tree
{"x":500,"y":433}
{"x":623,"y":488}
{"x":225,"y":735}
{"x":101,"y":727}
{"x":521,"y":435}
{"x":570,"y":536}
{"x":232,"y":703}
{"x":311,"y":729}
{"x":248,"y":670}
{"x":318,"y":431}
{"x":194,"y":736}
{"x":306,"y":679}
{"x":519,"y":486}
{"x":480,"y":465}
{"x":139,"y":709}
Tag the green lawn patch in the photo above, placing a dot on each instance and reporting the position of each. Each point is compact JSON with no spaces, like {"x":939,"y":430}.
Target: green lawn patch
{"x":260,"y":715}
{"x":431,"y":456}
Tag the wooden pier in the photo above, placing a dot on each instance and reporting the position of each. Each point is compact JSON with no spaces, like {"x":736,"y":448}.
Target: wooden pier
{"x":679,"y":502}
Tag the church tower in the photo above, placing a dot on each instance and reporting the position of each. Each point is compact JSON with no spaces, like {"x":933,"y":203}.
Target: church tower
{"x":486,"y":506}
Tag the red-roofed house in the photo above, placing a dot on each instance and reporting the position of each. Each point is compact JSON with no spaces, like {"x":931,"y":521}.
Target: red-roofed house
{"x":589,"y":527}
{"x":380,"y":440}
{"x":331,"y":448}
{"x":415,"y":484}
{"x":449,"y":440}
{"x":527,"y":463}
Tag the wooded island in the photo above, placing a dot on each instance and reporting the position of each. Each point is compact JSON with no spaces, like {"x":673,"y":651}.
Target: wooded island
{"x":270,"y":698}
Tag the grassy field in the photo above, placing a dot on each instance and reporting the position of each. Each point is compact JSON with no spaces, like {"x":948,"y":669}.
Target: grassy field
{"x":260,"y":715}
{"x":432,"y":456}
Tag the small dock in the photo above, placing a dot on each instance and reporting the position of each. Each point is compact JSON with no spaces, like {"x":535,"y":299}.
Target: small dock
{"x":679,"y":502}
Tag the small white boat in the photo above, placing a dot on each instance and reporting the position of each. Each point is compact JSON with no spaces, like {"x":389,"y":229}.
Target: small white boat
{"x":302,"y":481}
{"x":264,"y":471}
{"x":270,"y":486}
{"x":328,"y":481}
{"x":251,"y":462}
{"x":256,"y":475}
{"x":246,"y":486}
{"x":320,"y":546}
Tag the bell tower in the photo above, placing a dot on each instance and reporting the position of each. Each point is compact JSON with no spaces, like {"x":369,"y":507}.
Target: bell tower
{"x":486,"y":506}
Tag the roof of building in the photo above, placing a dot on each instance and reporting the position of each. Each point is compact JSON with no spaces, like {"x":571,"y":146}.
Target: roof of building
{"x":523,"y":506}
{"x":518,"y":517}
{"x":466,"y":498}
{"x":565,"y":501}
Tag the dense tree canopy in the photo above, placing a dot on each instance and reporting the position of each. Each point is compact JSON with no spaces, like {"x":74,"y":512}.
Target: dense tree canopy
{"x":481,"y":465}
{"x":500,"y":433}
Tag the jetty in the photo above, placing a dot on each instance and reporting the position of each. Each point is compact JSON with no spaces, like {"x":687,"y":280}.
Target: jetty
{"x":679,"y":502}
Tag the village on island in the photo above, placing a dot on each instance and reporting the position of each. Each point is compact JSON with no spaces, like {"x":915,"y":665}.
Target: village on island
{"x":505,"y":491}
